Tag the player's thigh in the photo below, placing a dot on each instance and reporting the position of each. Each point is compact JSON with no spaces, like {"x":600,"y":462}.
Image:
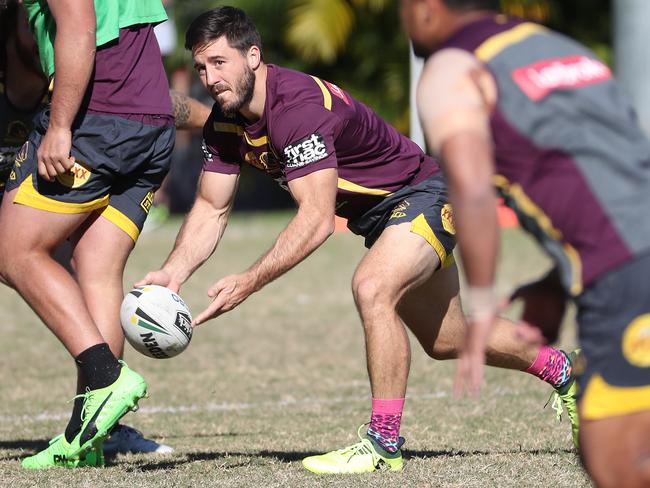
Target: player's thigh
{"x":397,"y":261}
{"x":616,"y":450}
{"x":24,"y":229}
{"x":100,"y":249}
{"x":416,"y":237}
{"x":432,"y":311}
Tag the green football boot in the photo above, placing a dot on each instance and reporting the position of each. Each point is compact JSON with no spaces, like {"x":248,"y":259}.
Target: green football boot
{"x":365,"y":456}
{"x":103,"y":408}
{"x":564,"y":398}
{"x":57,"y":454}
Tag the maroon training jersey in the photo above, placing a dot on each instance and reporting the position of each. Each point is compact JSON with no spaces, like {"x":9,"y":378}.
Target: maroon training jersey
{"x":310,"y":124}
{"x":129,"y":77}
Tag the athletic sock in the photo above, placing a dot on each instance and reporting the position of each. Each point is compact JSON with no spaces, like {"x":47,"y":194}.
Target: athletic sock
{"x":552,"y":366}
{"x":98,"y":366}
{"x":74,"y":424}
{"x":385,"y":422}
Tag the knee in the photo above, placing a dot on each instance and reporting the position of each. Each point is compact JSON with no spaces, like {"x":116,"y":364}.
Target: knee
{"x":371,"y":293}
{"x":443,"y":350}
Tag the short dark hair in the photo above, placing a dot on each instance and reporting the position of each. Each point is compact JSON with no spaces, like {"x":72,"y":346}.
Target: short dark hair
{"x":472,"y":4}
{"x":231,"y":22}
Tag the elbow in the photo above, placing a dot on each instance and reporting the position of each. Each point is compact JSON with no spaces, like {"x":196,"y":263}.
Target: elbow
{"x":325,"y":228}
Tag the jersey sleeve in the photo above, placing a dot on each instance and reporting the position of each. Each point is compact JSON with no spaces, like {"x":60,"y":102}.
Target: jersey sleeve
{"x":220,"y":149}
{"x":304,"y":138}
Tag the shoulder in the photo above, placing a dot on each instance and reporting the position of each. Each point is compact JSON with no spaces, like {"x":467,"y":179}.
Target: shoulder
{"x":291,"y":90}
{"x":448,"y":64}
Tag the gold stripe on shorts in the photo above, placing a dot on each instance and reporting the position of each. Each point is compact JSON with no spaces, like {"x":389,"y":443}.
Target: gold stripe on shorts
{"x":30,"y":197}
{"x":602,"y":400}
{"x":421,"y":227}
{"x":116,"y":217}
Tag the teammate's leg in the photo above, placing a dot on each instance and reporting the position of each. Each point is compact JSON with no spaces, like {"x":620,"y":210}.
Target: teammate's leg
{"x":439,"y":325}
{"x":616,"y":450}
{"x":30,"y":238}
{"x":101,"y":282}
{"x":26,"y":262}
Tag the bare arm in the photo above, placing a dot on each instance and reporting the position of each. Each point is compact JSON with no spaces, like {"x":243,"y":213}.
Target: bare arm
{"x":74,"y":57}
{"x":188,"y":112}
{"x":454,"y":99}
{"x":315,"y":194}
{"x":200,"y":233}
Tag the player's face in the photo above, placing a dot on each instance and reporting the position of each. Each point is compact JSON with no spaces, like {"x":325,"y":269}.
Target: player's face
{"x":416,"y":21}
{"x":226,"y":74}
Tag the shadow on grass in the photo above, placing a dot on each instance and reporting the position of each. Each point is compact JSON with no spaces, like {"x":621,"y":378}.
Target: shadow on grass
{"x":32,"y":446}
{"x":295,"y":456}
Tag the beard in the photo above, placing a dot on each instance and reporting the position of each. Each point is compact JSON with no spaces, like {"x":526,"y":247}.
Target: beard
{"x":243,"y":94}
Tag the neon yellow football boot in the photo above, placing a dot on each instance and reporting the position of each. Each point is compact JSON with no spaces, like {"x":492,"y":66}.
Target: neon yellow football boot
{"x":564,"y":398}
{"x":365,"y":456}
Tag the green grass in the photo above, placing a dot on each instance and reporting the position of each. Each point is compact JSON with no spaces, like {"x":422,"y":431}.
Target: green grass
{"x":281,"y":377}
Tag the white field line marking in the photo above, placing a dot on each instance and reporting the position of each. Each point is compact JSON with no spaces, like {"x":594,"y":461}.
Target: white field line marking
{"x":226,"y":407}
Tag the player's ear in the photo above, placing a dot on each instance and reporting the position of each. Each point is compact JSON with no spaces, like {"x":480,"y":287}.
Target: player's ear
{"x":254,"y":57}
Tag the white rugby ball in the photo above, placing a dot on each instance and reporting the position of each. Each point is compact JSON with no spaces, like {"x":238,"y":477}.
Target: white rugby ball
{"x":156,"y":321}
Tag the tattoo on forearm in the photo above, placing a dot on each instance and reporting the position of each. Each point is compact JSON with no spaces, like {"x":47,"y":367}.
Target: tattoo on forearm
{"x":180,"y":107}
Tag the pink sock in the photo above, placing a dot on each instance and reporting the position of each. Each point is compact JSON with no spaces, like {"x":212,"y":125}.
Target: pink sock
{"x":385,"y":422}
{"x":552,"y":366}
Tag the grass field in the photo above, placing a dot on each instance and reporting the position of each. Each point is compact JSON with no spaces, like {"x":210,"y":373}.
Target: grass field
{"x":281,"y":377}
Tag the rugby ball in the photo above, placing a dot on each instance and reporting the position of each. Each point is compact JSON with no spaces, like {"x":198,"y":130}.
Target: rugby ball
{"x":156,"y":321}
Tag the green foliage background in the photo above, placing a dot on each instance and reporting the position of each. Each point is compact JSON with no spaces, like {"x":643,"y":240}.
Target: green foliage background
{"x":359,"y":44}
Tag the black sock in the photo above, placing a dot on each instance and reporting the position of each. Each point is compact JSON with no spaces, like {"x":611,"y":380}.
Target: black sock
{"x":98,"y":366}
{"x":74,"y":425}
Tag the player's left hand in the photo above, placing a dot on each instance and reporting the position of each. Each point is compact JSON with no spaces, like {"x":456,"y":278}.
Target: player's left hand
{"x":471,"y":361}
{"x":226,"y":294}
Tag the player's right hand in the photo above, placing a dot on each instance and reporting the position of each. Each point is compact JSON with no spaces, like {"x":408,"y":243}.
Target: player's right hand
{"x":160,"y":277}
{"x":54,"y":153}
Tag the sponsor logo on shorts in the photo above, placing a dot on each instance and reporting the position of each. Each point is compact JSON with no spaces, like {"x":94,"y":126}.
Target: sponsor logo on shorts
{"x":147,"y":202}
{"x":399,"y":210}
{"x":447,"y":218}
{"x":76,"y":176}
{"x":636,"y":342}
{"x":22,"y":154}
{"x":539,"y":79}
{"x":305,"y":151}
{"x":258,"y":162}
{"x":12,"y":175}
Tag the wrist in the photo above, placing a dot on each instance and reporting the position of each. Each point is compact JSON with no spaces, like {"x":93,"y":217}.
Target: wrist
{"x":481,"y":302}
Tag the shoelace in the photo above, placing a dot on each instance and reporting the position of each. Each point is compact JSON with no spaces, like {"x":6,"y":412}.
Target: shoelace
{"x":557,"y":405}
{"x":89,"y":404}
{"x":363,"y":447}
